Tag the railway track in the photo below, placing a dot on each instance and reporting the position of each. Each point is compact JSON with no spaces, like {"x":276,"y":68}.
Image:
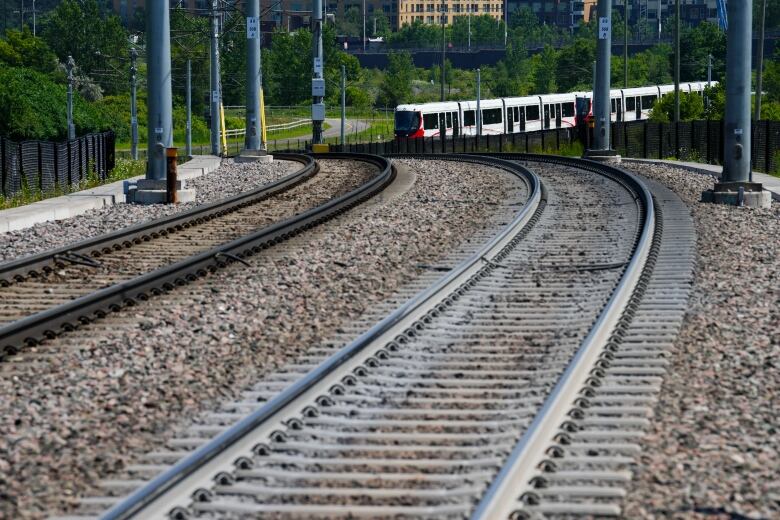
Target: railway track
{"x":53,"y":292}
{"x":516,"y":386}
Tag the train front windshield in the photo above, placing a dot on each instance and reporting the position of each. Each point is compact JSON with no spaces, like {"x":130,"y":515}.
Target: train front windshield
{"x":583,"y":109}
{"x":406,"y":122}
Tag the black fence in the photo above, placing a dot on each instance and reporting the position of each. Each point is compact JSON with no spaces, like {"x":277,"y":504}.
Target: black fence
{"x":41,"y":166}
{"x":554,"y":140}
{"x":697,"y":141}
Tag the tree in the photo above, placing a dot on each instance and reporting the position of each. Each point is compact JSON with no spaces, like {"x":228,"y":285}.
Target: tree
{"x":691,"y":107}
{"x":416,"y":34}
{"x":80,"y":29}
{"x":772,"y":78}
{"x":574,"y":64}
{"x":544,"y":65}
{"x":22,"y":49}
{"x":397,"y":85}
{"x":696,"y":43}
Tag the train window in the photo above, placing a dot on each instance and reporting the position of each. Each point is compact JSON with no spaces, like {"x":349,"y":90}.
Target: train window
{"x":568,"y":109}
{"x":430,"y":121}
{"x":469,"y":118}
{"x":532,"y":113}
{"x":491,"y":117}
{"x":449,"y":119}
{"x":517,"y":114}
{"x":648,"y":102}
{"x":614,"y":106}
{"x":630,"y":103}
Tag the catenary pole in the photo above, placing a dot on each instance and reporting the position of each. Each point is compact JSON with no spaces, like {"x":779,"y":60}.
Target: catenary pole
{"x":601,"y":102}
{"x":188,"y":96}
{"x":736,"y":165}
{"x":760,"y":64}
{"x":677,"y":62}
{"x":69,"y":65}
{"x":158,"y":81}
{"x":252,"y":136}
{"x":214,"y":69}
{"x":133,"y":105}
{"x":625,"y":43}
{"x":318,"y":108}
{"x":343,"y":102}
{"x":479,"y":103}
{"x":443,"y":45}
{"x":364,"y":26}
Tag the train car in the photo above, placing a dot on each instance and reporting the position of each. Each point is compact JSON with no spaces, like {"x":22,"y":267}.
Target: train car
{"x":527,"y":113}
{"x":634,"y":104}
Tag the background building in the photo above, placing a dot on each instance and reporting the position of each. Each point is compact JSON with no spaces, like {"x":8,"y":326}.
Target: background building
{"x":429,"y":12}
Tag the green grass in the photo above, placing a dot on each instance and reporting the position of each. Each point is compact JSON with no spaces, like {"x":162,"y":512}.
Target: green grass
{"x":124,"y":169}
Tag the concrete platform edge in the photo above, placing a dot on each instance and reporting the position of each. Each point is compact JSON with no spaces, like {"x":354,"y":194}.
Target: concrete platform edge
{"x":77,"y":203}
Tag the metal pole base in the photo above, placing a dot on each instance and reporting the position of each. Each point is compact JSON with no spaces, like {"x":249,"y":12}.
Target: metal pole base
{"x":743,"y":194}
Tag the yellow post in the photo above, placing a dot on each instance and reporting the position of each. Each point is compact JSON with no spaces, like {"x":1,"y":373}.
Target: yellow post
{"x":262,"y":118}
{"x":224,"y":133}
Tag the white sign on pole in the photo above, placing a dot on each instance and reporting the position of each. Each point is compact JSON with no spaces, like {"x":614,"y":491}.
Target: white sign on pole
{"x":318,"y":65}
{"x":252,"y":25}
{"x":604,"y":28}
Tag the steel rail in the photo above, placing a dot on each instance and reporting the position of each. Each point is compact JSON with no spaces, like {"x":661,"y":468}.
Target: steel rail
{"x":523,"y":464}
{"x":197,"y":469}
{"x":17,"y":270}
{"x":97,"y":304}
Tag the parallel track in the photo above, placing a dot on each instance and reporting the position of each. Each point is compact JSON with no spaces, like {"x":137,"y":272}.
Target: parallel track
{"x":516,"y":386}
{"x":200,"y":241}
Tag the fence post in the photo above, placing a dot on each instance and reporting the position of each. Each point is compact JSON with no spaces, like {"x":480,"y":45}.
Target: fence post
{"x":21,"y":163}
{"x":2,"y":167}
{"x":500,"y":142}
{"x":56,"y":148}
{"x":526,"y":142}
{"x":767,"y":145}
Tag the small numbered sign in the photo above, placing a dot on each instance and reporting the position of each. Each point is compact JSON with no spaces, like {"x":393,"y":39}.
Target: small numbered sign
{"x":604,"y":28}
{"x":252,"y":27}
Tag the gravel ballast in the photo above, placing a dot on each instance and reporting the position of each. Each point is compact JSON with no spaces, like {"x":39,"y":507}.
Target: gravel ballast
{"x":97,"y":399}
{"x":229,"y":179}
{"x":713,"y":447}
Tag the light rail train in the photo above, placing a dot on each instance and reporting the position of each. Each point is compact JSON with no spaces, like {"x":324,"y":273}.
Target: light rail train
{"x":528,"y":113}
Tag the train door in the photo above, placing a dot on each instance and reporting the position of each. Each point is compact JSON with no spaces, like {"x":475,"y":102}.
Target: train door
{"x":546,"y":116}
{"x":455,"y":126}
{"x":442,"y":124}
{"x":558,"y":122}
{"x":510,"y":121}
{"x":522,"y":119}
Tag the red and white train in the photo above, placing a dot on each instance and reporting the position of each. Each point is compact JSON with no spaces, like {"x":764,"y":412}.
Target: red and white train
{"x":525,"y":114}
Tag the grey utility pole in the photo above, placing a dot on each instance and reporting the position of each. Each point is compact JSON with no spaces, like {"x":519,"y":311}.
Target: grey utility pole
{"x":69,"y":65}
{"x":479,"y":103}
{"x":760,"y":65}
{"x":133,"y":105}
{"x":601,"y":103}
{"x":159,"y":97}
{"x":505,"y":5}
{"x":443,"y":46}
{"x":318,"y":81}
{"x":677,"y":64}
{"x":736,"y":165}
{"x":215,"y":94}
{"x":188,"y":98}
{"x":252,"y":139}
{"x":343,"y":102}
{"x":364,"y":26}
{"x":625,"y":43}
